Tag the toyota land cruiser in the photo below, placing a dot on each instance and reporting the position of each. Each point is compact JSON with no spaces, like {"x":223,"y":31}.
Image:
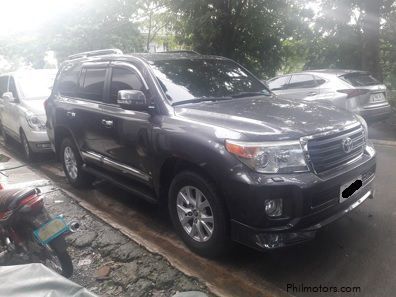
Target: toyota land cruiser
{"x":205,"y":137}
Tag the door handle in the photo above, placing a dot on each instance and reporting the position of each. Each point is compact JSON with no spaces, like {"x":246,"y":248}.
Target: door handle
{"x":312,"y":93}
{"x":71,"y":114}
{"x":107,"y":123}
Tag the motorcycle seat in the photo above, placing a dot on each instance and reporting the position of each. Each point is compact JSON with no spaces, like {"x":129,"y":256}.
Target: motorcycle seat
{"x":10,"y":198}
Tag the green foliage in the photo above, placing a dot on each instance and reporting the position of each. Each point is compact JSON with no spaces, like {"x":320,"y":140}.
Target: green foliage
{"x":266,"y":36}
{"x":102,"y":24}
{"x":250,"y":32}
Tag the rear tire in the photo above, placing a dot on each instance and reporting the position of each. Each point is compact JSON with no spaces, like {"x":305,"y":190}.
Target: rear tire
{"x":58,"y":245}
{"x":210,"y":235}
{"x":72,"y":165}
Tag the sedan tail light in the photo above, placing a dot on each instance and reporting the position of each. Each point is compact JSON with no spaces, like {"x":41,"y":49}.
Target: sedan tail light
{"x":353,"y":92}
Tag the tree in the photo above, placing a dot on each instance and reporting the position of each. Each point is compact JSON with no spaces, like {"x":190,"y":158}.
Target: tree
{"x":250,"y":32}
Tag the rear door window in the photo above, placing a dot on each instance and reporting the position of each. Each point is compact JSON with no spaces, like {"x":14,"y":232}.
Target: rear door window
{"x":360,"y":79}
{"x":301,"y":81}
{"x":278,"y":83}
{"x":93,"y":84}
{"x":124,"y":79}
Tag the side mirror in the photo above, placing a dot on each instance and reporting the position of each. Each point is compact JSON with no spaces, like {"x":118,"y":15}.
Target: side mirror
{"x":132,"y":99}
{"x":8,"y":96}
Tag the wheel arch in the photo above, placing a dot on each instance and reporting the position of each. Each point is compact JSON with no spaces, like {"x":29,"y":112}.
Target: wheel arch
{"x":60,"y":133}
{"x":171,"y":167}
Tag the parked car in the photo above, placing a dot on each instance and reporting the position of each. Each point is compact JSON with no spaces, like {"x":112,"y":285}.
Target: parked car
{"x":204,"y":136}
{"x":22,"y":108}
{"x":356,"y":91}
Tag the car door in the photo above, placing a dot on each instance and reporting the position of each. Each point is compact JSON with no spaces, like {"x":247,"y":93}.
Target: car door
{"x":126,"y":132}
{"x":88,"y":110}
{"x":11,"y":111}
{"x":301,"y":86}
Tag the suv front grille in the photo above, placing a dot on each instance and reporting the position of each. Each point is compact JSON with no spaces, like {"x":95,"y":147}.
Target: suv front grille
{"x":330,"y":151}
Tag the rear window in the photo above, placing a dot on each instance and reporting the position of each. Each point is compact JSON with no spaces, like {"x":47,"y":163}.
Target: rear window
{"x":359,"y":79}
{"x":68,"y":81}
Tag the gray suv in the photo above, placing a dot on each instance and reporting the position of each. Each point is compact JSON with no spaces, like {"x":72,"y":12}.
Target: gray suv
{"x":204,"y":136}
{"x":356,"y":91}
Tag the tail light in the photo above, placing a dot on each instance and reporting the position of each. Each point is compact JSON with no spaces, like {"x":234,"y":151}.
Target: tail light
{"x":353,"y":92}
{"x":32,"y":203}
{"x":45,"y":104}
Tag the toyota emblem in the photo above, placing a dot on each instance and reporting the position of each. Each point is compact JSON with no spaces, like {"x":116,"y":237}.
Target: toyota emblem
{"x":347,"y":145}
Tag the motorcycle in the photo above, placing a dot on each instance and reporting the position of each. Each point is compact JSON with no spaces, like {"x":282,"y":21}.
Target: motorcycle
{"x":28,"y":234}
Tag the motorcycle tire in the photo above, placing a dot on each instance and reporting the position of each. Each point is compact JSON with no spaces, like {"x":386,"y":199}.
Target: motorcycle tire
{"x":59,"y":248}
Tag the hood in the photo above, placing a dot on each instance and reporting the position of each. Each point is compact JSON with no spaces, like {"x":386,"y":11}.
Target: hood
{"x":35,"y":106}
{"x":268,"y":118}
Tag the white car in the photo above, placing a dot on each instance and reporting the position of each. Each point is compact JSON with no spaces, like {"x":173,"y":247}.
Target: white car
{"x":22,"y":111}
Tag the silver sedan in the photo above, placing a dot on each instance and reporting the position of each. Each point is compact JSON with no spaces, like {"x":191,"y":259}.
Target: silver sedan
{"x":357,"y":91}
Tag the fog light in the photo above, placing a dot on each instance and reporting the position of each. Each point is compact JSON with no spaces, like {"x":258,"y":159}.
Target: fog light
{"x":273,"y":207}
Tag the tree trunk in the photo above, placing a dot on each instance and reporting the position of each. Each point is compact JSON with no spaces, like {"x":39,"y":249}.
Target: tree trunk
{"x":371,"y":38}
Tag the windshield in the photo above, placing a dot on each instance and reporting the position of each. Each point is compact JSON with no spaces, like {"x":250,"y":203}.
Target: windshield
{"x":35,"y":84}
{"x":188,"y":79}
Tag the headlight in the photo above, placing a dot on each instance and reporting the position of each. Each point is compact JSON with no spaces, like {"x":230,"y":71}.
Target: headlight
{"x":34,"y":122}
{"x":270,"y":157}
{"x":364,"y":124}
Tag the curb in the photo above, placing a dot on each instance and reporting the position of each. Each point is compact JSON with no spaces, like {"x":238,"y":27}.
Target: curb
{"x":384,"y":142}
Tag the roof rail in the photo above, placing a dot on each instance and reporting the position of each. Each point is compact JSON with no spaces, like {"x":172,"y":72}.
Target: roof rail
{"x":179,"y":52}
{"x":96,"y":53}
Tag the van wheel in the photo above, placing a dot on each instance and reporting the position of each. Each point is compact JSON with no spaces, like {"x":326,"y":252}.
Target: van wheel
{"x":27,"y":152}
{"x":72,"y":165}
{"x":198,"y":214}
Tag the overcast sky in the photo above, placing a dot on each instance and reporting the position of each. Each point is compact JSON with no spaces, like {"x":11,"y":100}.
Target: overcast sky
{"x":27,"y":15}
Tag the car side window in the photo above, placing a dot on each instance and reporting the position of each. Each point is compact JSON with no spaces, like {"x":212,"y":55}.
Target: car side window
{"x":93,"y":84}
{"x":124,"y":79}
{"x":278,"y":83}
{"x":3,"y":85}
{"x":319,"y":81}
{"x":68,"y":81}
{"x":12,"y":88}
{"x":301,"y":81}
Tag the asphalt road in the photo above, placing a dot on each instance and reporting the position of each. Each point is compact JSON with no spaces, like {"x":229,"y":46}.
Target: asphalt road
{"x":356,"y":251}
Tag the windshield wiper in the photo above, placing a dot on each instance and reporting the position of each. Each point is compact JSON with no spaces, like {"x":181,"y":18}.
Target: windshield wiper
{"x":247,"y":94}
{"x":202,"y":99}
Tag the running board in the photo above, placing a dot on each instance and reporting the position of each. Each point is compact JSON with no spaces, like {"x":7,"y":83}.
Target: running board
{"x":137,"y":190}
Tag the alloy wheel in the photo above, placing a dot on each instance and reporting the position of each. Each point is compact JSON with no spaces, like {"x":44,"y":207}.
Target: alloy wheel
{"x":26,"y":147}
{"x":195,"y":213}
{"x":70,"y":162}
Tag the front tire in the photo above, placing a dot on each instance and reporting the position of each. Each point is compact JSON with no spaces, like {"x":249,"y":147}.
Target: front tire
{"x":28,"y":154}
{"x":198,"y":214}
{"x":72,"y":165}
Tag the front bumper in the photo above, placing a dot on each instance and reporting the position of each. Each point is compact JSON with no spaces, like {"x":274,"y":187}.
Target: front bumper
{"x":310,"y":202}
{"x":38,"y":140}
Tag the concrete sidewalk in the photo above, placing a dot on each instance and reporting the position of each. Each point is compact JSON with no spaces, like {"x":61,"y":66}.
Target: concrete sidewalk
{"x":105,"y":261}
